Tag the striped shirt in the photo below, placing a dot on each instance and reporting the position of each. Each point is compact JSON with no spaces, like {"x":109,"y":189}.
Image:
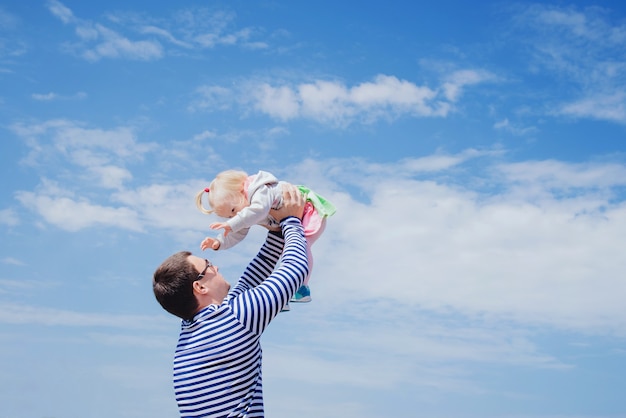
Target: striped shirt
{"x":217,"y":365}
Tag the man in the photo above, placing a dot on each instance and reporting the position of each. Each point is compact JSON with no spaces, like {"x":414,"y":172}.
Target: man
{"x":217,"y":364}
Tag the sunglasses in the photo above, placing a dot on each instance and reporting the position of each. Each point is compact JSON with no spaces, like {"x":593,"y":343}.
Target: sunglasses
{"x":201,"y":275}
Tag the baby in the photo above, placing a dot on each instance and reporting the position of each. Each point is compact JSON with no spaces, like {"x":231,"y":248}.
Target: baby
{"x":246,"y":201}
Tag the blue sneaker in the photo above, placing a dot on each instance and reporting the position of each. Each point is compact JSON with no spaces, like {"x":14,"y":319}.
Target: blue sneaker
{"x":303,"y":295}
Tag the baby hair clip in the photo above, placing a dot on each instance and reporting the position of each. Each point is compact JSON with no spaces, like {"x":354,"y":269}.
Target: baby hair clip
{"x":207,"y":190}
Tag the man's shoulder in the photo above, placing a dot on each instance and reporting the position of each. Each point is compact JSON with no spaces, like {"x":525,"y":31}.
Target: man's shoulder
{"x":207,"y":322}
{"x":205,"y":315}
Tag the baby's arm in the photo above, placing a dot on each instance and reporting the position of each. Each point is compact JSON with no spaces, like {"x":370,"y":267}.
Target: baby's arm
{"x":237,"y":227}
{"x":221,"y":225}
{"x":222,"y":242}
{"x":210,"y":242}
{"x":255,"y":213}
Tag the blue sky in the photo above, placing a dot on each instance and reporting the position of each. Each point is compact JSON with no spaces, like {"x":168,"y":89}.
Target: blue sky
{"x":475,"y":152}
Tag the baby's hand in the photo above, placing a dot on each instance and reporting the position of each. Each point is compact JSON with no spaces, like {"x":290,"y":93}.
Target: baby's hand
{"x":221,"y":225}
{"x":209,"y":242}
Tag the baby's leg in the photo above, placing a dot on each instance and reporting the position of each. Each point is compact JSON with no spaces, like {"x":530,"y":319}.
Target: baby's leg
{"x":312,"y":231}
{"x":310,"y":240}
{"x":309,"y":255}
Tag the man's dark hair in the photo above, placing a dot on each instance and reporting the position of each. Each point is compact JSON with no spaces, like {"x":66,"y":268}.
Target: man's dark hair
{"x":173,"y":285}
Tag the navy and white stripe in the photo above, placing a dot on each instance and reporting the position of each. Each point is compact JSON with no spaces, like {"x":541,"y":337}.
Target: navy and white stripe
{"x":217,"y":365}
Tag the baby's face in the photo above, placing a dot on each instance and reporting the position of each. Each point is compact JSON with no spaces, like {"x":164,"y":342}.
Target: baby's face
{"x":230,"y":209}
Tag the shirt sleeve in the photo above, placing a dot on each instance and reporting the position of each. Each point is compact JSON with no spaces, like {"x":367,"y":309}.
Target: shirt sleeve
{"x":264,"y":293}
{"x":232,"y":239}
{"x":263,"y":263}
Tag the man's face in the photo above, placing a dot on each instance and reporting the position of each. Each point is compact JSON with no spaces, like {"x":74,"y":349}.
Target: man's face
{"x":212,"y":280}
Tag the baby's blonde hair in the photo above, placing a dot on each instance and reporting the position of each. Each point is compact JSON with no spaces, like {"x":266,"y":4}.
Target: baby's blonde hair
{"x":226,"y":188}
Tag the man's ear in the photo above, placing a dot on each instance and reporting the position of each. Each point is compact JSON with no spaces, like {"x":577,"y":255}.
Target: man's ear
{"x":200,"y":288}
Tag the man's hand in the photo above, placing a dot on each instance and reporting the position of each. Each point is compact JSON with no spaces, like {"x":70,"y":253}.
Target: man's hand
{"x":293,"y":204}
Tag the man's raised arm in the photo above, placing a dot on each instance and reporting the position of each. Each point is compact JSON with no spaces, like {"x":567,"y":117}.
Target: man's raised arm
{"x":258,"y":305}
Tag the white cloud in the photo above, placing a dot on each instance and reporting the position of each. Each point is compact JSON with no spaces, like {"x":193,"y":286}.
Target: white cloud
{"x":45,"y":97}
{"x":466,"y":276}
{"x":332,"y":102}
{"x":118,"y":142}
{"x":513,"y":241}
{"x":51,"y":96}
{"x":560,"y":175}
{"x":73,"y":215}
{"x":210,"y":29}
{"x":211,"y":98}
{"x":11,"y":44}
{"x":188,"y":29}
{"x":583,"y":49}
{"x":456,"y":81}
{"x":9,"y":217}
{"x":85,"y":165}
{"x":13,"y":313}
{"x":506,"y":125}
{"x":204,"y":135}
{"x":211,"y":40}
{"x":61,"y":11}
{"x":110,"y":44}
{"x":165,"y":206}
{"x":125,"y":340}
{"x":153,"y":30}
{"x":278,"y":102}
{"x":442,"y":245}
{"x":112,"y":177}
{"x":68,"y":136}
{"x":422,"y":347}
{"x":8,"y":21}
{"x":100,"y":154}
{"x":443,"y":161}
{"x":97,"y":41}
{"x":12,"y":261}
{"x":609,"y":107}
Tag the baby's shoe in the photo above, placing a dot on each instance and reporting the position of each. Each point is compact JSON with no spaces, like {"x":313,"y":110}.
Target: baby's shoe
{"x":303,"y":295}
